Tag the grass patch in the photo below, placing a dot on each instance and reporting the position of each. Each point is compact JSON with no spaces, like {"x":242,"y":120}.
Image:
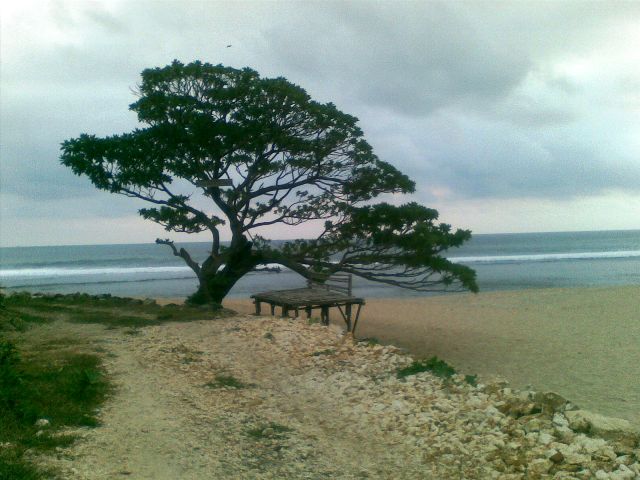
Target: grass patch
{"x":113,"y":312}
{"x":370,"y":341}
{"x":63,"y":388}
{"x":269,"y":430}
{"x":228,"y":381}
{"x":438,"y":367}
{"x":328,"y":351}
{"x":471,"y":380}
{"x":112,"y":319}
{"x":13,"y":319}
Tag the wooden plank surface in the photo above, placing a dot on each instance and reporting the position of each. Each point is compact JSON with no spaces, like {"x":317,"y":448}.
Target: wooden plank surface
{"x":305,"y":296}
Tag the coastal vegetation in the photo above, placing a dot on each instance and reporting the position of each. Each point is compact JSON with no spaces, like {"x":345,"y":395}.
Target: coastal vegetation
{"x":49,"y":383}
{"x":223,"y":148}
{"x":437,"y":367}
{"x":44,"y":389}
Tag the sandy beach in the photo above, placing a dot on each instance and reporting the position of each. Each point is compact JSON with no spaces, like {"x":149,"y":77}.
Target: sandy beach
{"x":583,"y":343}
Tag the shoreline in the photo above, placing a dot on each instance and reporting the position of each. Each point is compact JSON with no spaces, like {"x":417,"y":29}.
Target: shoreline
{"x":579,"y":342}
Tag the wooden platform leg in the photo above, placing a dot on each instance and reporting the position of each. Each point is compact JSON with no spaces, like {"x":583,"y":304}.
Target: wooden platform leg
{"x":325,"y":315}
{"x":285,"y":311}
{"x":355,"y":323}
{"x":347,"y":309}
{"x":273,"y":310}
{"x":257,"y":302}
{"x":308,"y":309}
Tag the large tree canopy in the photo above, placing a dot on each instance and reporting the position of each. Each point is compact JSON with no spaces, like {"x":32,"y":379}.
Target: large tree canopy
{"x":289,"y":160}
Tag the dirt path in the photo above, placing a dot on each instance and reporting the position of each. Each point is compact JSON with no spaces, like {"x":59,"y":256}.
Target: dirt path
{"x":170,"y":418}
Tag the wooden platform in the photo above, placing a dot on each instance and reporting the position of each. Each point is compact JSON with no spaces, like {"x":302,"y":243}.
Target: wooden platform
{"x":307,"y":299}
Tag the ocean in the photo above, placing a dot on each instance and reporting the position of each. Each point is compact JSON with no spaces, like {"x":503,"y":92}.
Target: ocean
{"x":502,"y":262}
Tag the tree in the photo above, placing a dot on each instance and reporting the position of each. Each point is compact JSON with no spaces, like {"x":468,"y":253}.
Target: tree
{"x":289,"y":161}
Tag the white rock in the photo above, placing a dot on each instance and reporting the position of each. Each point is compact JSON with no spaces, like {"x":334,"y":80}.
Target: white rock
{"x":576,"y":458}
{"x":539,"y":466}
{"x":623,"y":473}
{"x":492,"y":411}
{"x":42,"y":422}
{"x":559,"y":420}
{"x":605,"y":427}
{"x":590,"y":445}
{"x":623,"y":460}
{"x":545,"y":439}
{"x":399,"y":405}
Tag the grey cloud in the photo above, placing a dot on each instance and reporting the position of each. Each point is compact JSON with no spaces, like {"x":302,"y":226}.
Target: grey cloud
{"x":413,"y":58}
{"x":477,"y":159}
{"x":410,"y":60}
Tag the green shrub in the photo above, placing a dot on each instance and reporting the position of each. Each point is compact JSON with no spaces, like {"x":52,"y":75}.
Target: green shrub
{"x":10,"y":379}
{"x":437,"y":367}
{"x":327,"y":351}
{"x":226,"y":381}
{"x":471,"y":380}
{"x":269,"y":430}
{"x":64,"y":388}
{"x":370,"y":341}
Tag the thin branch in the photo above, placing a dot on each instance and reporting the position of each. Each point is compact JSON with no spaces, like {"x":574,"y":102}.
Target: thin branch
{"x":182,"y":253}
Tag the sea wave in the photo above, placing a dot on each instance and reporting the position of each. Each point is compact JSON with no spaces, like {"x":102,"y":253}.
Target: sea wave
{"x":71,"y":272}
{"x":81,"y":263}
{"x":64,"y":272}
{"x":63,"y":283}
{"x":546,"y":257}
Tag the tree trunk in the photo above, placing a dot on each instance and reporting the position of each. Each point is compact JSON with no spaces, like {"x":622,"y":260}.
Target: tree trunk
{"x":215,"y":284}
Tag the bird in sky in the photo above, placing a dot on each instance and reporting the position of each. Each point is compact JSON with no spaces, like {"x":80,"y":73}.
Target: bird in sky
{"x":229,"y":46}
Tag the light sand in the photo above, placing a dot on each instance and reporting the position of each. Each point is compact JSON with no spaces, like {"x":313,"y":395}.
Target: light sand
{"x":583,"y":343}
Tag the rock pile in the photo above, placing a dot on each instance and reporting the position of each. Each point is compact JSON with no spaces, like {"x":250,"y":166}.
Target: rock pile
{"x":459,"y":430}
{"x":270,"y":398}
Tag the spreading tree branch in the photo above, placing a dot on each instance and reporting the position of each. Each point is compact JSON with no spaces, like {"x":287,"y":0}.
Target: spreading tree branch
{"x":182,"y":253}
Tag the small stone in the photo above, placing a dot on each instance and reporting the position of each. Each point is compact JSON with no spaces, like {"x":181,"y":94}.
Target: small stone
{"x":539,"y":466}
{"x":623,"y":473}
{"x":557,"y":457}
{"x":590,"y":445}
{"x":576,"y":459}
{"x":559,"y":420}
{"x":42,"y":422}
{"x":623,"y":460}
{"x":545,"y":438}
{"x":550,"y":402}
{"x":605,"y":427}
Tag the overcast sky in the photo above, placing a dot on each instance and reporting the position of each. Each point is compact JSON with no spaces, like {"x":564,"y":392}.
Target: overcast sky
{"x":510,"y":116}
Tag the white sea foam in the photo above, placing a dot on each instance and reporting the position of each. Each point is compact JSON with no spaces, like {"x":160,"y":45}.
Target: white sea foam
{"x":545,"y":257}
{"x":48,"y":272}
{"x":64,"y":272}
{"x":69,"y":272}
